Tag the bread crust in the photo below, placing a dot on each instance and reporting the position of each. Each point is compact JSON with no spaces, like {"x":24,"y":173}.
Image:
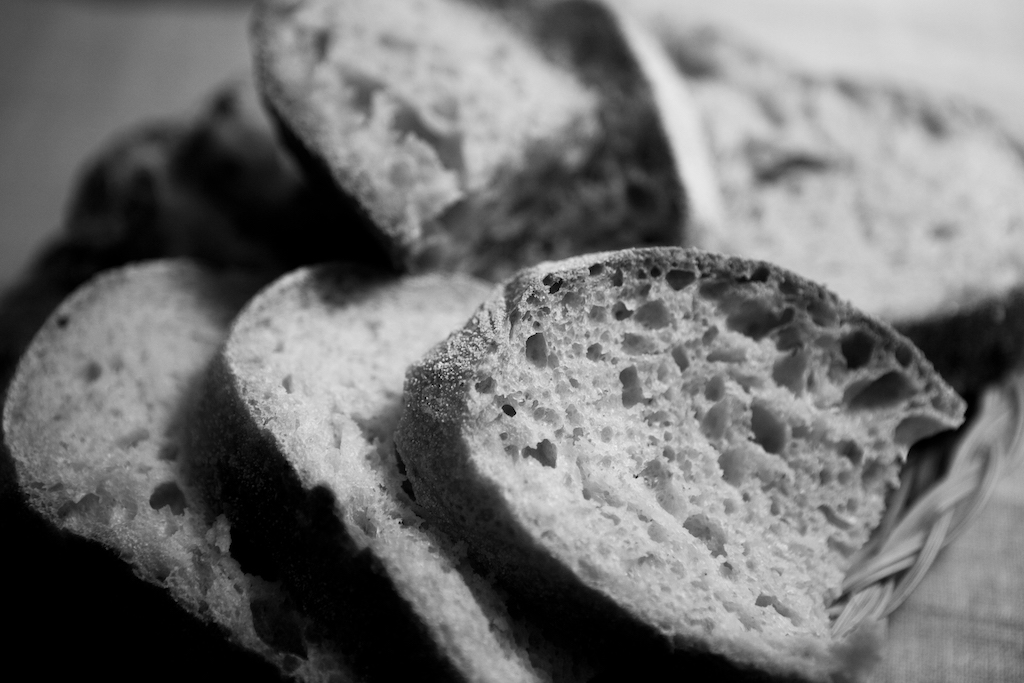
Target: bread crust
{"x":455,"y":461}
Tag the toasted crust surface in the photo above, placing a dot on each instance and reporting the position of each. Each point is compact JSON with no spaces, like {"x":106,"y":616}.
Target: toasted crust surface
{"x":676,"y":424}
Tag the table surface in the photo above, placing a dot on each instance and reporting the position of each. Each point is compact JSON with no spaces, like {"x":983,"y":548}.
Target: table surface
{"x":76,"y":73}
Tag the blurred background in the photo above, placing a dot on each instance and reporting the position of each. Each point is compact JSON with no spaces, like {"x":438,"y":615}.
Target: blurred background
{"x":76,"y":72}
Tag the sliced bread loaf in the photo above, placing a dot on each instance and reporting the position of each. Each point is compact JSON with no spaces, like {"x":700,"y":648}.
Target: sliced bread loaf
{"x":696,"y":443}
{"x":294,"y":431}
{"x":481,"y":136}
{"x":94,"y":424}
{"x":908,"y":204}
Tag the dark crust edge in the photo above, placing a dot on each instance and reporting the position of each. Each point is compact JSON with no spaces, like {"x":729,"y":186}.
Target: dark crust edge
{"x":373,"y":231}
{"x":299,"y":130}
{"x":451,"y":489}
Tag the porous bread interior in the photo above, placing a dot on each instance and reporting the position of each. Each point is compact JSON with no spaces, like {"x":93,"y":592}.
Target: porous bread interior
{"x":908,"y":205}
{"x":93,"y":420}
{"x":320,"y":358}
{"x":473,"y":150}
{"x":709,"y":451}
{"x":415,"y":102}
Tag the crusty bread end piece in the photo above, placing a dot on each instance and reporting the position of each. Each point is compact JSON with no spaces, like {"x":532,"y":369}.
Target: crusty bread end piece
{"x":94,"y":425}
{"x":704,"y":441}
{"x":476,"y":136}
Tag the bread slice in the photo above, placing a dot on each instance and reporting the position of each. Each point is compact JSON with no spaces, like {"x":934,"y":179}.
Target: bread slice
{"x":294,"y":431}
{"x":94,"y":425}
{"x":479,"y":136}
{"x":695,"y":443}
{"x":908,"y":204}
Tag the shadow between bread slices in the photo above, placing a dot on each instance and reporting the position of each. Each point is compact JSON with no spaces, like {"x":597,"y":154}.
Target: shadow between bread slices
{"x":292,"y":439}
{"x":673,"y":448}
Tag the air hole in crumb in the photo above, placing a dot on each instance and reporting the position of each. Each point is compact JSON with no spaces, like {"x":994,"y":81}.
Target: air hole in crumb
{"x":735,"y":463}
{"x":620,"y":311}
{"x":653,"y":315}
{"x":789,"y":338}
{"x":632,"y":392}
{"x":638,"y":344}
{"x":657,"y":532}
{"x":168,"y":452}
{"x":760,"y":274}
{"x":857,"y":348}
{"x":546,"y":453}
{"x":596,"y":269}
{"x":655,"y":271}
{"x":769,"y":430}
{"x":402,"y":472}
{"x":168,"y":494}
{"x":617,"y":278}
{"x":716,"y":421}
{"x":287,"y":383}
{"x":680,"y":357}
{"x":904,"y":355}
{"x":886,"y":391}
{"x":508,"y":410}
{"x":594,"y":351}
{"x":537,"y":350}
{"x":790,"y":371}
{"x":708,"y":532}
{"x":765,"y":600}
{"x":851,"y":451}
{"x":132,"y":438}
{"x":916,"y":427}
{"x":754,"y":318}
{"x":727,"y":355}
{"x":834,"y":518}
{"x":486,"y":385}
{"x":680,"y":279}
{"x":92,"y":371}
{"x":321,"y":44}
{"x":714,"y":390}
{"x":841,"y":547}
{"x":598,"y":314}
{"x":874,"y":470}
